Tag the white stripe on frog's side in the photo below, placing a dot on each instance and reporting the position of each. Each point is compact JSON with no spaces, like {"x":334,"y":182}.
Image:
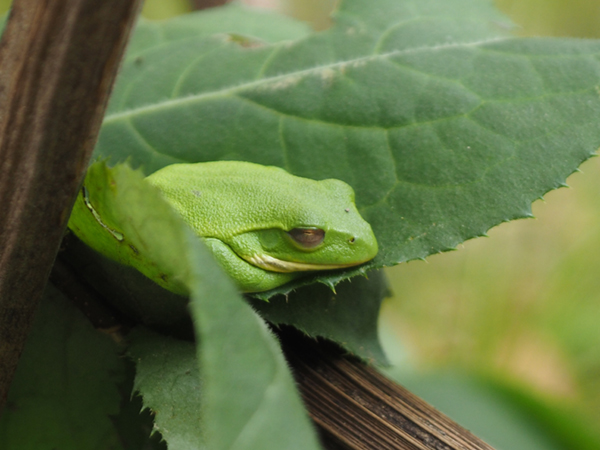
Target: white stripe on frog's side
{"x":278,"y":265}
{"x":86,"y":199}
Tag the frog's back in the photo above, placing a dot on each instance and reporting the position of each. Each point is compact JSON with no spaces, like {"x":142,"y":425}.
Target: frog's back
{"x":226,"y":198}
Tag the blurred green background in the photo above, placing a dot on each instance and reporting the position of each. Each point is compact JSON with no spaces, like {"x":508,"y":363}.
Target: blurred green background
{"x":480,"y":330}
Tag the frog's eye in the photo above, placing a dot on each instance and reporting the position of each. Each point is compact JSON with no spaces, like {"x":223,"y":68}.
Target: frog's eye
{"x":307,"y":237}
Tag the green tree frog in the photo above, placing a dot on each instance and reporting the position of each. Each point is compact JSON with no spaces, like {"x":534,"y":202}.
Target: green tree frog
{"x":265,"y":226}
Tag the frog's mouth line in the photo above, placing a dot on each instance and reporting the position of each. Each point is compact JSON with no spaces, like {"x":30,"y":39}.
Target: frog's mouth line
{"x":271,"y":264}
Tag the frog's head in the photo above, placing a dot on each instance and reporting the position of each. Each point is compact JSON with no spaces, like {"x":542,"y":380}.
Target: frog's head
{"x":319,"y":229}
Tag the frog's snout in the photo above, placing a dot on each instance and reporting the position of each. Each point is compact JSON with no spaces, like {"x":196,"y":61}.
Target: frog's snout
{"x":363,"y":246}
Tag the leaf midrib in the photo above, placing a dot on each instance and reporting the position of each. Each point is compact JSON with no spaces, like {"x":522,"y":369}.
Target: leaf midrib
{"x":191,"y":99}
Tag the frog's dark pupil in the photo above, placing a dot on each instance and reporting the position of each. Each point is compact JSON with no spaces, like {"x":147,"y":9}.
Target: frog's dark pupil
{"x":307,"y":237}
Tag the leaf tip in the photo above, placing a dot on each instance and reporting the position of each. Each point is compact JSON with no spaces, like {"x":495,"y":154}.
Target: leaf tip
{"x":329,"y":284}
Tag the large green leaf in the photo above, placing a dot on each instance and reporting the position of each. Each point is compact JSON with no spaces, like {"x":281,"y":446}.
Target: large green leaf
{"x":66,"y":385}
{"x":249,"y":397}
{"x":444,"y":127}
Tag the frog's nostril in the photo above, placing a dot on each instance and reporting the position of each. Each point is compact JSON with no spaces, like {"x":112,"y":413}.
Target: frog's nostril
{"x":352,"y":240}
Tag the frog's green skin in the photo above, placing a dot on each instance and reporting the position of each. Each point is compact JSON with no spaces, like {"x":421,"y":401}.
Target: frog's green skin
{"x":244,"y":212}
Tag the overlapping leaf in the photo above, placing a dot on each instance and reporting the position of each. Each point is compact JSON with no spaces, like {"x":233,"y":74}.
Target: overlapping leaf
{"x":167,"y":376}
{"x":249,"y":399}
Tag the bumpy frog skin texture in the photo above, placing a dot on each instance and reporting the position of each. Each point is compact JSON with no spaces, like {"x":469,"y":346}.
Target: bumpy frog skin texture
{"x":265,"y":226}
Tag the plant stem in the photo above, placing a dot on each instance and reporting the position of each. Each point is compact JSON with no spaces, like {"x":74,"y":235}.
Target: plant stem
{"x":357,"y":408}
{"x":59,"y":60}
